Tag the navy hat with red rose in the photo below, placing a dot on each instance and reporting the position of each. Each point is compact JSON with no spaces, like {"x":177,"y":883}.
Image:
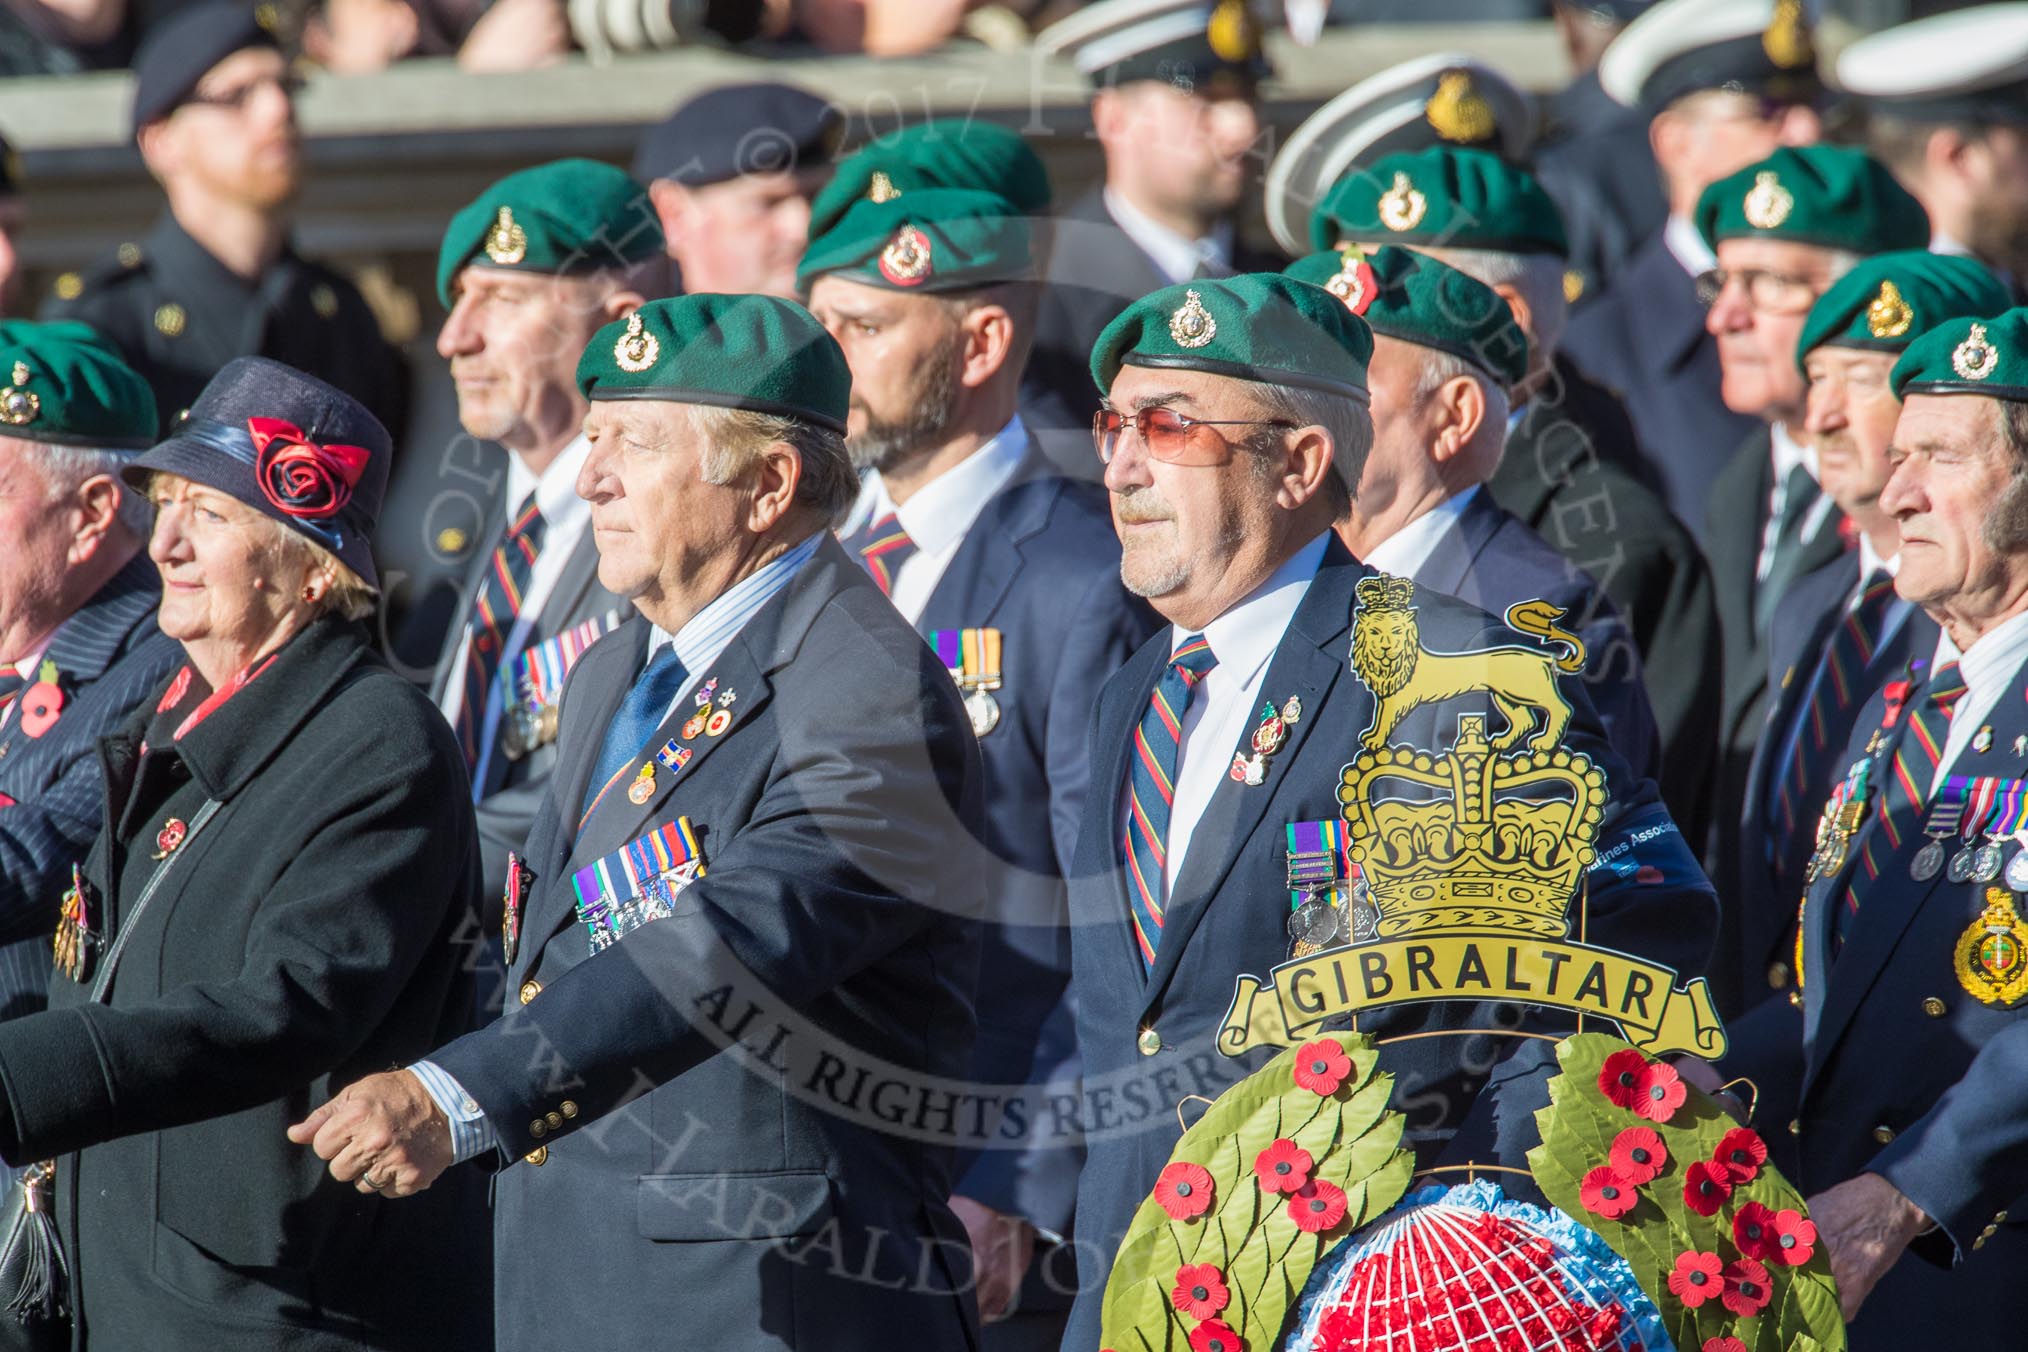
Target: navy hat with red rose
{"x":291,"y":447}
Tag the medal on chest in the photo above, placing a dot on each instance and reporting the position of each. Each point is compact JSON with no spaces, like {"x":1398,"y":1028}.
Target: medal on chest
{"x":1267,"y":739}
{"x":1940,"y":826}
{"x":75,"y":936}
{"x":515,"y":898}
{"x":973,"y":657}
{"x":1328,"y":900}
{"x":1843,"y":815}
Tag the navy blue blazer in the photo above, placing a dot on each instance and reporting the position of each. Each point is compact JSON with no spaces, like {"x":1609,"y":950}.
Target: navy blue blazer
{"x":1906,"y":1075}
{"x":108,"y":656}
{"x":1040,"y":564}
{"x":1490,"y":559}
{"x":1645,"y":339}
{"x":1227,"y":915}
{"x":736,"y":1107}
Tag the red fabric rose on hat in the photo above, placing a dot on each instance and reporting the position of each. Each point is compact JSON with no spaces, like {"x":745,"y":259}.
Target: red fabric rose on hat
{"x":300,"y":477}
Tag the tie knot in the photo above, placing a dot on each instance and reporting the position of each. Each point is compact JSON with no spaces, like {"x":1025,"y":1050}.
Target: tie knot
{"x":1946,"y":686}
{"x":1193,"y":659}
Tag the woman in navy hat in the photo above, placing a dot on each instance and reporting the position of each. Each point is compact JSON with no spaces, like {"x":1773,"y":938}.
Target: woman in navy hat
{"x":281,"y":901}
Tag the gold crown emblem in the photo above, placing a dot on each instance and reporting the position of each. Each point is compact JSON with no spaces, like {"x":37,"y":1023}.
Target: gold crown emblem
{"x":636,"y":349}
{"x":1787,"y":39}
{"x":1768,"y":203}
{"x":1190,"y":324}
{"x":1458,"y":111}
{"x":906,"y":259}
{"x":1975,"y":358}
{"x":1889,"y":315}
{"x":506,"y":242}
{"x":1233,"y":32}
{"x":1401,"y":206}
{"x":18,"y":405}
{"x":882,"y":188}
{"x":1992,"y":953}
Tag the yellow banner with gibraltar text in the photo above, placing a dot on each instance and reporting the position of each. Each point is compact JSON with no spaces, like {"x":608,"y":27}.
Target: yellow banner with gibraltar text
{"x":1643,"y":999}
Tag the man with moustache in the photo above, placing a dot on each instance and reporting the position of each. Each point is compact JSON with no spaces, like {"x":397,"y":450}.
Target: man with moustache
{"x":1840,"y":633}
{"x":217,"y":278}
{"x":1234,"y":424}
{"x":528,"y":271}
{"x":1011,"y":571}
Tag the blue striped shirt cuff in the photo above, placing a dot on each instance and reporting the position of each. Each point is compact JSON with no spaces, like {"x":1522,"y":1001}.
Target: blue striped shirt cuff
{"x":471,"y":1134}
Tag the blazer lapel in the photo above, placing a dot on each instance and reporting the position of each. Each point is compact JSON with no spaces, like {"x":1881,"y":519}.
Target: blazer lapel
{"x":989,"y":557}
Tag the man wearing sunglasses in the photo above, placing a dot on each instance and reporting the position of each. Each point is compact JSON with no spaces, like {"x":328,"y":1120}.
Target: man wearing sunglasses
{"x":217,"y":278}
{"x":1011,"y":571}
{"x":1234,"y":420}
{"x":1783,"y":230}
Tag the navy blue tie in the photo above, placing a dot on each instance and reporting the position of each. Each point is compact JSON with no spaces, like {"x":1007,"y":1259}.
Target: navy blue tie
{"x":640,"y":713}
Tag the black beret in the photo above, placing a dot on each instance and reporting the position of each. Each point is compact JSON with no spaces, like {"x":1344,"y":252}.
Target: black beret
{"x":178,"y":52}
{"x":739,"y":129}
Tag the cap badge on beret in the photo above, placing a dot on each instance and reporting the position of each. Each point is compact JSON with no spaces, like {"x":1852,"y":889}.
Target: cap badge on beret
{"x":1233,"y":32}
{"x":1458,"y":111}
{"x":1768,"y":203}
{"x":1354,"y":283}
{"x":1787,"y":39}
{"x":882,"y":188}
{"x":506,"y":242}
{"x":1190,"y":324}
{"x":636,"y":349}
{"x":1401,"y":206}
{"x":19,"y":406}
{"x":906,"y":259}
{"x":1975,"y":358}
{"x":1888,"y":316}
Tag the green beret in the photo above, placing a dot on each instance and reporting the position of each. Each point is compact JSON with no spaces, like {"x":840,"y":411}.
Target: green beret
{"x":1447,"y":196}
{"x":1413,"y":297}
{"x":751,"y":352}
{"x":1834,"y":197}
{"x":64,"y":385}
{"x":1256,"y":326}
{"x":945,"y":153}
{"x":566,"y":216}
{"x":1968,"y":356}
{"x":1890,"y":300}
{"x":940,"y":239}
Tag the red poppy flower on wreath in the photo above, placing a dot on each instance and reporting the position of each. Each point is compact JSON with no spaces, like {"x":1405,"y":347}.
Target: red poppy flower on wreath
{"x":1706,"y":1185}
{"x":1200,"y":1290}
{"x":1742,"y":1152}
{"x":1318,"y":1207}
{"x":1321,"y":1066}
{"x":1619,"y":1079}
{"x":1697,"y":1277}
{"x":1746,"y":1288}
{"x":1215,"y":1335}
{"x":1606,"y":1192}
{"x":1753,"y":1231}
{"x":1283,"y":1167}
{"x":1638,"y":1155}
{"x":1184,"y":1190}
{"x":1662,"y":1093}
{"x":1725,"y":1344}
{"x":1795,"y":1238}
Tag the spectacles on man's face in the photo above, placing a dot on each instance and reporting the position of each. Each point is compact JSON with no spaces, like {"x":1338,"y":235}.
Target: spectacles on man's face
{"x":1773,"y":293}
{"x":236,"y":98}
{"x":1169,"y":436}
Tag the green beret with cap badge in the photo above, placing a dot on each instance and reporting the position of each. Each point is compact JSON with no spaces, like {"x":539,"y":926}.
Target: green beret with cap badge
{"x":1890,"y":300}
{"x":1968,"y":356}
{"x":1834,"y":197}
{"x":1259,"y":326}
{"x":942,"y":153}
{"x":1447,"y":196}
{"x":65,"y":386}
{"x":727,"y":351}
{"x":940,"y":239}
{"x":564,"y":217}
{"x":1410,"y":296}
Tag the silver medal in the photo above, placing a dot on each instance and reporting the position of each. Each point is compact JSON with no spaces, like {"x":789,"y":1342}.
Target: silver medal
{"x":1960,"y":870}
{"x":1314,"y":923}
{"x":1928,"y":862}
{"x":2017,"y":871}
{"x":1986,"y":863}
{"x":985,"y":712}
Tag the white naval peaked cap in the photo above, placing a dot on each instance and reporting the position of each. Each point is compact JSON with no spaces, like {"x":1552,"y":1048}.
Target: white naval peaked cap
{"x":1967,"y":65}
{"x":1682,"y":46}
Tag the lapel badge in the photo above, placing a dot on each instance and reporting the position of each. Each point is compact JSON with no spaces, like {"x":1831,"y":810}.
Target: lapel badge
{"x":1268,"y":737}
{"x":1889,"y":315}
{"x":518,"y":878}
{"x":636,"y":349}
{"x":506,"y":242}
{"x":74,"y":937}
{"x":1768,"y":203}
{"x":1401,"y":206}
{"x":906,"y":259}
{"x":719,"y":719}
{"x":1982,"y":740}
{"x":1975,"y":358}
{"x":1190,"y":324}
{"x":1354,"y":283}
{"x":673,"y":756}
{"x":695,"y":723}
{"x":169,"y":837}
{"x":19,"y":404}
{"x":1991,"y":963}
{"x":643,"y":787}
{"x":2021,"y":744}
{"x":41,"y":703}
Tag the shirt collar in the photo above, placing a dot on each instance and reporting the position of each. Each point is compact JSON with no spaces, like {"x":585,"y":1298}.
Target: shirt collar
{"x":1687,"y":247}
{"x":1176,"y":256}
{"x":1870,"y":561}
{"x":940,"y":513}
{"x":556,"y":490}
{"x":1994,"y":657}
{"x":705,"y":635}
{"x":1247,"y":634}
{"x":1406,"y":551}
{"x":1789,"y":453}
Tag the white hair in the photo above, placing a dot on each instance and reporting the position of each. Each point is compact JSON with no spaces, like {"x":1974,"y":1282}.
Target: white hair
{"x":1349,"y":422}
{"x":65,"y":469}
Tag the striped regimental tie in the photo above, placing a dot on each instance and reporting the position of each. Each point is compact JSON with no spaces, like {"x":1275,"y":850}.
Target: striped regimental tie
{"x":494,"y":608}
{"x":1151,"y":786}
{"x":882,"y":547}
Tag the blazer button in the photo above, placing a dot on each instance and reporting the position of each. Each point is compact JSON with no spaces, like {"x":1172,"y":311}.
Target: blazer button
{"x":1796,"y":1127}
{"x":538,"y":1128}
{"x":1150,"y":1042}
{"x":1884,"y":1134}
{"x":1934,"y":1007}
{"x":555,"y":1121}
{"x":537,"y":1157}
{"x":1999,"y":1218}
{"x":530,"y":989}
{"x":1778,"y":974}
{"x":569,"y":1108}
{"x":1979,"y":1243}
{"x":1796,"y":998}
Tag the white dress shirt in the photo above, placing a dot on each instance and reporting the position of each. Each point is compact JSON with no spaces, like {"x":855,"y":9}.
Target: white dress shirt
{"x":1687,"y":246}
{"x":1175,"y":256}
{"x":1989,"y":667}
{"x":26,"y":667}
{"x":1406,"y":551}
{"x":1789,"y":454}
{"x":940,"y":513}
{"x":1225,"y":702}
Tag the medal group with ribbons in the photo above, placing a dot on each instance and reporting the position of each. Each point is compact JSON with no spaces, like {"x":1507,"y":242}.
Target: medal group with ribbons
{"x":533,"y":684}
{"x":972,"y":656}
